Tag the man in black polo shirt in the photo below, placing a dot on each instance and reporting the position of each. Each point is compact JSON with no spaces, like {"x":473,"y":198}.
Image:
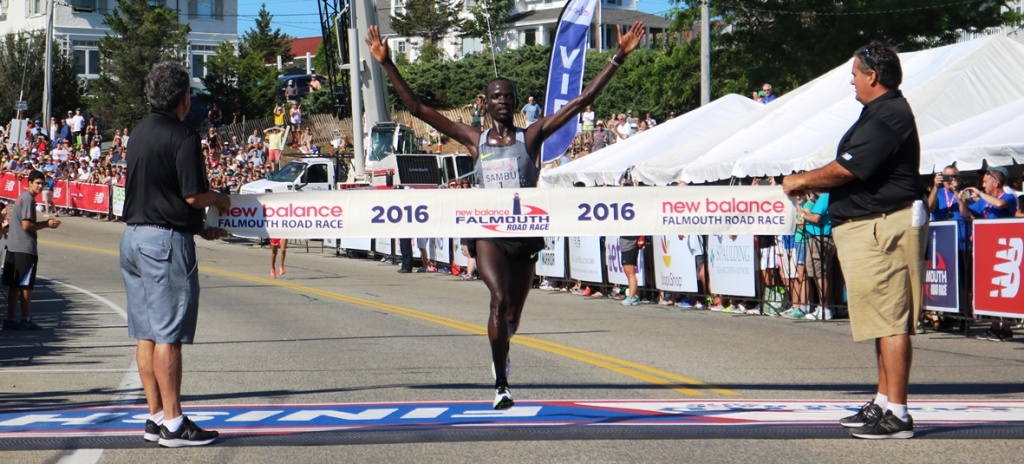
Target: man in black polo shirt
{"x":880,"y":229}
{"x":166,"y":194}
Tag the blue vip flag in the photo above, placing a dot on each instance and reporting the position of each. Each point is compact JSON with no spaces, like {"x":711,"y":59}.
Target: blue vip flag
{"x":565,"y":73}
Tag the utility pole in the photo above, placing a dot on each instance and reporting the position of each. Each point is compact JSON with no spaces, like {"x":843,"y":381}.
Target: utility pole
{"x":48,"y":72}
{"x":358,"y":131}
{"x":705,"y":54}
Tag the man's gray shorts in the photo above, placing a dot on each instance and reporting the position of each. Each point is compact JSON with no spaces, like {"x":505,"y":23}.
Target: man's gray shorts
{"x":162,"y":282}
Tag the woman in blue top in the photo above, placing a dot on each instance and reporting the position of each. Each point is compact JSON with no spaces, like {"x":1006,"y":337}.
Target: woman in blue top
{"x":505,"y":157}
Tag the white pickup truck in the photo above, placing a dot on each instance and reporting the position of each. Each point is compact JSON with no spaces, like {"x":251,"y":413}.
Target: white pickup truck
{"x":391,"y":160}
{"x":304,"y":174}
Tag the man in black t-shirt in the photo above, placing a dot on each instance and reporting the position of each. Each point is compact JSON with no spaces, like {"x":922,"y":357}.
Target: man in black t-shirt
{"x":166,"y":193}
{"x":880,"y":227}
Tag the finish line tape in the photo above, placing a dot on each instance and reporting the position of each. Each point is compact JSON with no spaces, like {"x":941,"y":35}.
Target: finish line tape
{"x":527,"y":212}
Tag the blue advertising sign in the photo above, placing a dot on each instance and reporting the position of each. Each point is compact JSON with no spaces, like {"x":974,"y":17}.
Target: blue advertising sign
{"x":942,"y":276}
{"x":565,"y":74}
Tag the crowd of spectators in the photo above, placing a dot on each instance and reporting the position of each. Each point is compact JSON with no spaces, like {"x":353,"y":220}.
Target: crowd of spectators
{"x":80,"y":152}
{"x":74,"y":155}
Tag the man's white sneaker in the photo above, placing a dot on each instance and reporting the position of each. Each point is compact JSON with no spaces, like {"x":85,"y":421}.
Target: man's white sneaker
{"x":820,"y":314}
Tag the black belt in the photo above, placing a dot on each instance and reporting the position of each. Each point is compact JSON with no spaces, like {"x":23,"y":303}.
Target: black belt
{"x":155,"y":226}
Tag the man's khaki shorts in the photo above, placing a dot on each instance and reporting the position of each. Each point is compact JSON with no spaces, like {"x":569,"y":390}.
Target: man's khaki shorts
{"x":882,"y":257}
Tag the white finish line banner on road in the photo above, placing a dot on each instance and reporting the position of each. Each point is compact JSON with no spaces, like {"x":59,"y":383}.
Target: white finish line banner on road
{"x":527,"y":212}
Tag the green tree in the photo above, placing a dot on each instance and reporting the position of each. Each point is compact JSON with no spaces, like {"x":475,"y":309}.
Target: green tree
{"x":430,"y":20}
{"x":266,"y":41}
{"x":21,"y":76}
{"x":242,"y":85}
{"x":789,"y":42}
{"x":487,"y":18}
{"x":141,"y":36}
{"x":241,"y":81}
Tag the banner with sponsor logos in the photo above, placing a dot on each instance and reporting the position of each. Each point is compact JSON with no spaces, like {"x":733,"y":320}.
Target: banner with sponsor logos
{"x":116,"y":200}
{"x":675,"y":268}
{"x":613,"y":261}
{"x":565,"y":71}
{"x":527,"y":212}
{"x":585,"y":259}
{"x":442,"y":250}
{"x":731,"y":265}
{"x":998,"y":266}
{"x":10,"y":186}
{"x":551,"y":260}
{"x":384,"y":246}
{"x":458,"y":257}
{"x":942,"y":276}
{"x":361,"y":244}
{"x":61,"y":197}
{"x":66,"y":194}
{"x":90,"y":197}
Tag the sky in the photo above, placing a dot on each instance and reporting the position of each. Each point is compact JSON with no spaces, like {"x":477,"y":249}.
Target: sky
{"x":300,"y":18}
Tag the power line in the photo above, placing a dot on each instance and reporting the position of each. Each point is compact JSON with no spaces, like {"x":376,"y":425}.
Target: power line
{"x":837,"y":13}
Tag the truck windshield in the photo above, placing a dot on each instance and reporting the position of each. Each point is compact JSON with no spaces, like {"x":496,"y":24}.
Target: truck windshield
{"x":381,"y":138}
{"x":289,"y":172}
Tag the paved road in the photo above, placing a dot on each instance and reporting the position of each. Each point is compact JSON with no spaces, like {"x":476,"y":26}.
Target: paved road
{"x":336,"y":331}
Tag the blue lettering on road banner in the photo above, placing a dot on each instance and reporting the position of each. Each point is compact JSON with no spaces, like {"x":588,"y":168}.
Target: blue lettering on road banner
{"x":278,"y":419}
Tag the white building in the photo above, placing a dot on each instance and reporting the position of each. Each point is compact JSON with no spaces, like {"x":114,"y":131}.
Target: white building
{"x":533,"y":23}
{"x":78,"y":26}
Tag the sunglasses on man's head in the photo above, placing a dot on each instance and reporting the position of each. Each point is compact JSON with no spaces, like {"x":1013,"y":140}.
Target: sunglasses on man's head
{"x":865,"y":57}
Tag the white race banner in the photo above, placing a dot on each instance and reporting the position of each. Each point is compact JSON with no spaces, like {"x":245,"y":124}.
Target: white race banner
{"x":384,"y":246}
{"x":613,"y":261}
{"x":117,"y":200}
{"x":551,"y":260}
{"x":442,"y":250}
{"x":528,"y":212}
{"x":459,"y":258}
{"x":585,"y":259}
{"x":731,"y":265}
{"x":675,"y":268}
{"x":363,"y":244}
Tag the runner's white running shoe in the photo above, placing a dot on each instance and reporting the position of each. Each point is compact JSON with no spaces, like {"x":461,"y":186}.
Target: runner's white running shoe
{"x":503,"y":398}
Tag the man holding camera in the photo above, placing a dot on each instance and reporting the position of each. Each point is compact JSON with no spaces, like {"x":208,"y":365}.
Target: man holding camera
{"x":944,"y":202}
{"x":992,"y":201}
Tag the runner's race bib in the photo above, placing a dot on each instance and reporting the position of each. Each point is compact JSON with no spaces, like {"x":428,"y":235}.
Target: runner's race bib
{"x":500,"y":173}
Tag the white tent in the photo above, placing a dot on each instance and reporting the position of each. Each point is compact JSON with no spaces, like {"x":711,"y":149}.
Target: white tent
{"x":605,"y":166}
{"x":801,"y":129}
{"x":995,"y":138}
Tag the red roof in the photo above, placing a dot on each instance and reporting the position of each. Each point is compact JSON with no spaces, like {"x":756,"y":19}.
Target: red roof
{"x":305,"y":44}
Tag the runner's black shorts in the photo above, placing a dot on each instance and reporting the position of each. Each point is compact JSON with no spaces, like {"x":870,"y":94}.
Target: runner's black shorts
{"x":20,"y":270}
{"x":518,"y":249}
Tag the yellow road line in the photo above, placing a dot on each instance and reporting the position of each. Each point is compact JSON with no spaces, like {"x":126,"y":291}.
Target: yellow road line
{"x":621,"y":366}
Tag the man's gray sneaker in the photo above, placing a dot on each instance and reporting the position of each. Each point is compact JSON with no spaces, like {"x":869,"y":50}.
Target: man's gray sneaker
{"x":889,"y":426}
{"x":189,"y":434}
{"x":867,"y":414}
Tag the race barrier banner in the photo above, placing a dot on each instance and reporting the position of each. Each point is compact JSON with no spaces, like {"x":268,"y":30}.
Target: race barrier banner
{"x":585,"y":259}
{"x":524,"y":212}
{"x":10,"y":186}
{"x":675,"y":267}
{"x":60,"y":194}
{"x":732,"y":265}
{"x":89,"y":197}
{"x":998,"y":265}
{"x":551,"y":260}
{"x":66,"y":194}
{"x":942,"y":276}
{"x":613,"y":262}
{"x":116,"y":201}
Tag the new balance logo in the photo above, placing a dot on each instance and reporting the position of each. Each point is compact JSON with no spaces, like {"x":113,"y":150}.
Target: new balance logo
{"x":1007,"y":280}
